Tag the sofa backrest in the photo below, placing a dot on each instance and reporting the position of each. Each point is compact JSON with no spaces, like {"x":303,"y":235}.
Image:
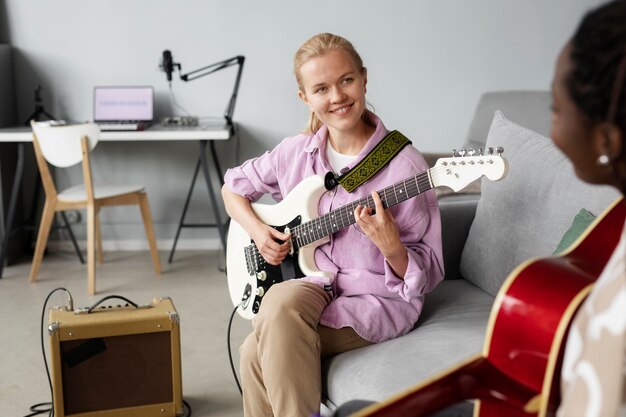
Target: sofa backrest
{"x":530,"y":109}
{"x":526,"y":214}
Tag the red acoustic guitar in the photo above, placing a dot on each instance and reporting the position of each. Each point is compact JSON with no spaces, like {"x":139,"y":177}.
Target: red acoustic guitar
{"x":518,"y":373}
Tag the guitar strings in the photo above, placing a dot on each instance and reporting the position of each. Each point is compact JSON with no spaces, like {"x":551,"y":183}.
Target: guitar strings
{"x":343,"y":216}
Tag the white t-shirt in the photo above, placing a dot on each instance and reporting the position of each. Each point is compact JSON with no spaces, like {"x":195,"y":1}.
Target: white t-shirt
{"x":337,"y":160}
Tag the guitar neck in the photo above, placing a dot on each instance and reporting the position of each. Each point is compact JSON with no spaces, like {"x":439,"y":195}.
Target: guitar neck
{"x":343,"y":216}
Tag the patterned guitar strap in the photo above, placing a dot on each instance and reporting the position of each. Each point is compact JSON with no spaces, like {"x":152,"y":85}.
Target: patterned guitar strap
{"x":373,"y":162}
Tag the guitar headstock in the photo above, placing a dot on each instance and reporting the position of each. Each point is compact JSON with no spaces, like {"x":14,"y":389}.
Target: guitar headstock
{"x":458,"y":171}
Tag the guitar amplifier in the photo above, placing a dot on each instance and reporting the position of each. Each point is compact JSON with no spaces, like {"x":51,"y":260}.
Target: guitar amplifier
{"x":115,"y":361}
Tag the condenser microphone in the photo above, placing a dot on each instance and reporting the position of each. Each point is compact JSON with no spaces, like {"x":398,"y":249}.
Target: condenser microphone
{"x":167,"y":64}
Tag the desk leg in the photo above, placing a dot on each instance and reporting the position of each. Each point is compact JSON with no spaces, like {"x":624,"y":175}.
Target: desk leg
{"x":216,"y":161}
{"x":214,"y":201}
{"x":72,"y":237}
{"x":8,"y":226}
{"x":181,"y":223}
{"x":202,"y":162}
{"x":220,"y":174}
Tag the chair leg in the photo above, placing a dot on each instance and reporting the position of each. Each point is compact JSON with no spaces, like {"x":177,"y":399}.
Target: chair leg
{"x":91,"y":249}
{"x":99,"y":238}
{"x":42,"y":239}
{"x":147,"y":223}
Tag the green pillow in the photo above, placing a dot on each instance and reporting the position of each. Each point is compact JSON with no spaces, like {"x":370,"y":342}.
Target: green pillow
{"x":581,"y":222}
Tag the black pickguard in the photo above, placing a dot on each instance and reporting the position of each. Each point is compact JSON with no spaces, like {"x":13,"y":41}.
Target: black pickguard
{"x":274,"y":274}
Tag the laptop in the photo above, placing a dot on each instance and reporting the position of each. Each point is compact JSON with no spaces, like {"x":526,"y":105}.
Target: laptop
{"x":123,"y":108}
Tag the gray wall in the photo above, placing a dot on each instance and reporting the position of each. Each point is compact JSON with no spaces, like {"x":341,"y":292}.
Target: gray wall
{"x":428,"y":62}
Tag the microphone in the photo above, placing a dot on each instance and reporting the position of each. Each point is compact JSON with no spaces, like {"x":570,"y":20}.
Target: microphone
{"x":167,"y":64}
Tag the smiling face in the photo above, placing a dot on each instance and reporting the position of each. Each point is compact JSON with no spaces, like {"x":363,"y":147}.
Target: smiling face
{"x":579,"y":138}
{"x":334,"y":89}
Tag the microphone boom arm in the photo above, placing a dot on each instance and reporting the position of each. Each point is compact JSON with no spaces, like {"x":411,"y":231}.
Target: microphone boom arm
{"x":210,"y":69}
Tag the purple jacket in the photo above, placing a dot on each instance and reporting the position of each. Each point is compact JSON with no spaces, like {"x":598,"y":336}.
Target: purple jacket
{"x":368,"y":296}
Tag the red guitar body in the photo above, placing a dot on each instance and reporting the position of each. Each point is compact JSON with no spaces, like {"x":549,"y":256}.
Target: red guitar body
{"x":518,"y":373}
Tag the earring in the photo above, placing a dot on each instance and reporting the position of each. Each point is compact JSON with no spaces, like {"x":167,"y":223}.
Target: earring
{"x":603,"y":160}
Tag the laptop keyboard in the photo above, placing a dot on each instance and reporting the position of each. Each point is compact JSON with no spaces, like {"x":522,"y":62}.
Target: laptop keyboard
{"x":122,"y":126}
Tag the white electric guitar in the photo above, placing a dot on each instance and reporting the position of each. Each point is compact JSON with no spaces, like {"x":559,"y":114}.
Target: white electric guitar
{"x":250,"y":276}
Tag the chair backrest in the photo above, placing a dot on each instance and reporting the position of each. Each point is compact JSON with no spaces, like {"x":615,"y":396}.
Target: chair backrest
{"x":61,"y":145}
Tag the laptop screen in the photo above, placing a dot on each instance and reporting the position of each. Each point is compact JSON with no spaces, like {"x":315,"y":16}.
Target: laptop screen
{"x":118,"y":104}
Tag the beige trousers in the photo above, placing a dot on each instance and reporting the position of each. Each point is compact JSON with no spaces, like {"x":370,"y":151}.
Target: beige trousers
{"x":280,"y":360}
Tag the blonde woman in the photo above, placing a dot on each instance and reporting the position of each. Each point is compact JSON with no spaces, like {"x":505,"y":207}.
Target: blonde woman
{"x":383,"y":265}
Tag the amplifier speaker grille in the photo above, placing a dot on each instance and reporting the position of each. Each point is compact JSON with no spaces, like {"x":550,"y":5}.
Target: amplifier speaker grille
{"x":116,"y":372}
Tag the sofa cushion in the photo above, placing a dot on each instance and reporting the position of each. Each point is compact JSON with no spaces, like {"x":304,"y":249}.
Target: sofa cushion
{"x":525,"y":214}
{"x":450,"y":329}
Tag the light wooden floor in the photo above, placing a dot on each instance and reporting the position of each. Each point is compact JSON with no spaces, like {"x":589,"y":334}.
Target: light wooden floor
{"x":193,"y":281}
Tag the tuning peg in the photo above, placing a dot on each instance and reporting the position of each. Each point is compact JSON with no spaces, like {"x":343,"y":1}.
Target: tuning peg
{"x":462,"y":152}
{"x":454,"y":153}
{"x":490,"y":151}
{"x":499,"y":150}
{"x":480,"y":151}
{"x":471,"y":151}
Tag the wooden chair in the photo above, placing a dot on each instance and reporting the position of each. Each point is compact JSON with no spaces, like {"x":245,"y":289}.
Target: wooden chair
{"x":65,"y":146}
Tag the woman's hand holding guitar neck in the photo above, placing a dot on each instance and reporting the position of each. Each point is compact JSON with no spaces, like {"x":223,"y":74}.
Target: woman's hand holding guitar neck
{"x":382,"y":230}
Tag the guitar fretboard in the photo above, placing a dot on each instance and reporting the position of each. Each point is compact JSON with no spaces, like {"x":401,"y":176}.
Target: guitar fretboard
{"x":343,"y":216}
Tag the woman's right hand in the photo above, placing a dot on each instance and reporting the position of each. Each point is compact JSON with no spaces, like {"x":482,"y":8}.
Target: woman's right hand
{"x":265,"y":237}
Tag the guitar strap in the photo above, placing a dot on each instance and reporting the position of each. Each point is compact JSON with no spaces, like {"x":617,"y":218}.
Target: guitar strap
{"x":373,"y":162}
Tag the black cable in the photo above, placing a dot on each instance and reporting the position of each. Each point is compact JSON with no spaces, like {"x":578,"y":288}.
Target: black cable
{"x":38,"y":408}
{"x":230,"y":356}
{"x":186,"y":404}
{"x":36,"y":411}
{"x":109,"y":297}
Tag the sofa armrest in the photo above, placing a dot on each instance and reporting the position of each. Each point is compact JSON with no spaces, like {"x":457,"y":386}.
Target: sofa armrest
{"x":457,"y":214}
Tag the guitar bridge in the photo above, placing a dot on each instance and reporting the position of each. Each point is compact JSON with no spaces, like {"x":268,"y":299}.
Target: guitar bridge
{"x":253,"y":259}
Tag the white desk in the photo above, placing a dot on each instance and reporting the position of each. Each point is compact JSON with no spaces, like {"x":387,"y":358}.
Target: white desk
{"x":206,"y":133}
{"x":209,"y":131}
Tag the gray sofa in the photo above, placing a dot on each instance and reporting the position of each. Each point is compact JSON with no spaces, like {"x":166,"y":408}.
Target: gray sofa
{"x":485,"y":237}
